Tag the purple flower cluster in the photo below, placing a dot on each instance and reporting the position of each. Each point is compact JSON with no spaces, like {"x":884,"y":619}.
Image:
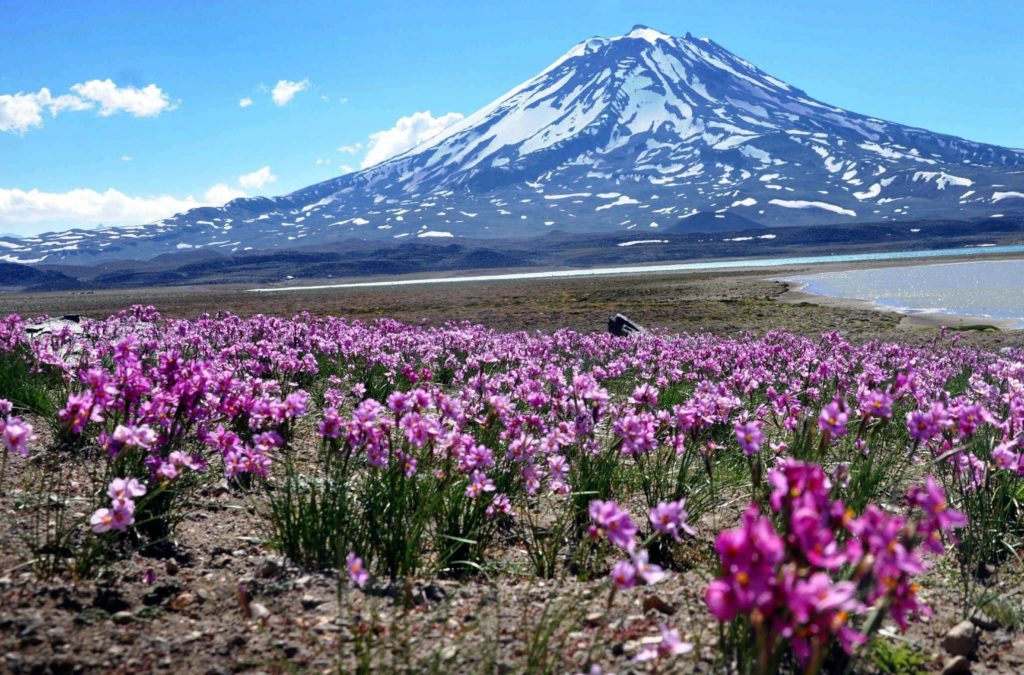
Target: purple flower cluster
{"x":498,"y":424}
{"x":787,"y":583}
{"x":15,"y":433}
{"x":612,"y":522}
{"x":121,"y":513}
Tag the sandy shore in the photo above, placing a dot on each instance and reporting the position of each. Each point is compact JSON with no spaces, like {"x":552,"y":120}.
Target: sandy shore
{"x":722,"y":301}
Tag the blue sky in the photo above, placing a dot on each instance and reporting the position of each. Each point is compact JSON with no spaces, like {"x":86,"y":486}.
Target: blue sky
{"x":117,"y":152}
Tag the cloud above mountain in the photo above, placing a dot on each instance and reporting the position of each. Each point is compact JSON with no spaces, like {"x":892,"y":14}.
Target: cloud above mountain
{"x":407,"y":132}
{"x":285,"y":90}
{"x":27,"y":212}
{"x":22,"y":111}
{"x":257,"y":179}
{"x":24,"y":211}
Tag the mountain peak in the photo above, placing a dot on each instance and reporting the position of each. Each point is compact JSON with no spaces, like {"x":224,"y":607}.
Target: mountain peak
{"x":651,"y":35}
{"x":640,"y":132}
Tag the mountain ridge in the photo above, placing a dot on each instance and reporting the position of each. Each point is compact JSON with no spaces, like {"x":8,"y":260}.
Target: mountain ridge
{"x":631,"y":133}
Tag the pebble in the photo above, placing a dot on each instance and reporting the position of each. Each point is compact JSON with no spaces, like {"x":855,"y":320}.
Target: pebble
{"x":984,"y":621}
{"x":656,"y":603}
{"x":956,"y":665}
{"x":310,"y":602}
{"x":434,"y":593}
{"x":182,"y":601}
{"x":123,"y":617}
{"x":269,"y":568}
{"x":258,"y":611}
{"x":962,"y":639}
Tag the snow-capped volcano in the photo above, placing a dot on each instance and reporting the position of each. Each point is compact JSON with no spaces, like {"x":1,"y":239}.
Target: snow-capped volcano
{"x":639,"y":132}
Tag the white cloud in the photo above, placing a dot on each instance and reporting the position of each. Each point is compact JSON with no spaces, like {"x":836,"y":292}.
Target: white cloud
{"x":343,"y":100}
{"x":26,"y":212}
{"x":126,"y":158}
{"x":407,"y":133}
{"x":149,"y":101}
{"x":221,"y":194}
{"x":244,"y":102}
{"x":320,"y":161}
{"x":351,"y":149}
{"x":345,"y":168}
{"x":257,"y":179}
{"x":19,"y":112}
{"x":285,"y":90}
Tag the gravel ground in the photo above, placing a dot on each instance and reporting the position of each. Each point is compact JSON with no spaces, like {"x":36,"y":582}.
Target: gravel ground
{"x":180,"y":609}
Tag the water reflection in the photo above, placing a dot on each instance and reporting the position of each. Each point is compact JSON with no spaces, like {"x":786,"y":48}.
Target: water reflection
{"x":988,"y":288}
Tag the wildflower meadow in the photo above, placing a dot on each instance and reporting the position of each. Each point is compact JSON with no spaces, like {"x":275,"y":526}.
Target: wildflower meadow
{"x":478,"y":501}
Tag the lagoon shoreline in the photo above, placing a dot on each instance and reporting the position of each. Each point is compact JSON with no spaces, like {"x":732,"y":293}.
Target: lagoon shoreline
{"x":722,"y":301}
{"x":939,"y":292}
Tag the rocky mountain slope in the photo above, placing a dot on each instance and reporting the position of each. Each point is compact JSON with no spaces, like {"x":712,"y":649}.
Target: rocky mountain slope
{"x":642,"y":134}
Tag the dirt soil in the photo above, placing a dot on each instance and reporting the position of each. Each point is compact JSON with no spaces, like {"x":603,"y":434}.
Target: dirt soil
{"x":180,"y":608}
{"x":726,"y":303}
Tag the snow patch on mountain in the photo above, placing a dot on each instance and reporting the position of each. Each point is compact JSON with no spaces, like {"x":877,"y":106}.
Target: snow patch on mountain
{"x":638,"y":130}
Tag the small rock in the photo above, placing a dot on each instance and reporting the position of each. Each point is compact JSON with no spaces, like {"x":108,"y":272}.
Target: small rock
{"x":956,"y":665}
{"x":182,"y":601}
{"x":159,"y":594}
{"x":172,"y":567}
{"x":984,"y":621}
{"x":123,"y":617}
{"x":962,"y":639}
{"x":269,"y":568}
{"x":57,"y":636}
{"x":303,"y":581}
{"x":310,"y":602}
{"x":449,"y":652}
{"x":434,"y":593}
{"x":656,"y":603}
{"x":594,"y":619}
{"x":258,"y":611}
